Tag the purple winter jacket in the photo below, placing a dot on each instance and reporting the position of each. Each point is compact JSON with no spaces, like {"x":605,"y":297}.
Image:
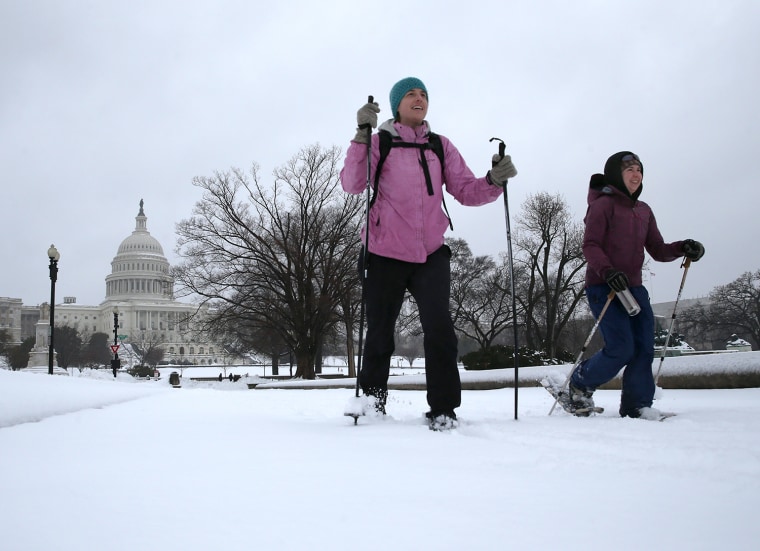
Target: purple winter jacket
{"x":406,"y":223}
{"x":618,"y":229}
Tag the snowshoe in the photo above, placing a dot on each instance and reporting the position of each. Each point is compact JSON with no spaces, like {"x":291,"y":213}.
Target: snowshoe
{"x":441,"y":420}
{"x":647,"y":413}
{"x":573,"y":400}
{"x":367,"y":405}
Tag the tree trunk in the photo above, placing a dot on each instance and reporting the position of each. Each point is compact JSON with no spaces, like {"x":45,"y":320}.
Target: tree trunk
{"x":318,"y":360}
{"x":305,"y":364}
{"x":350,"y":357}
{"x":275,"y":363}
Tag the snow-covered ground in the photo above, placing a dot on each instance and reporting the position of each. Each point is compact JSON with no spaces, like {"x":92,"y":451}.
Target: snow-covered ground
{"x":93,"y":463}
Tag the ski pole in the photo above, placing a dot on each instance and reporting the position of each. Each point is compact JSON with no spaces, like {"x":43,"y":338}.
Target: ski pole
{"x":365,"y":250}
{"x":685,"y":265}
{"x":502,"y":148}
{"x":585,"y":345}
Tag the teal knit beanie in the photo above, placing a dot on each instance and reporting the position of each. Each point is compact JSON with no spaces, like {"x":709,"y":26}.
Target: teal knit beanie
{"x":400,"y":89}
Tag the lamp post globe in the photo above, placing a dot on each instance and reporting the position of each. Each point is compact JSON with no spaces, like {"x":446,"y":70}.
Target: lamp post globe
{"x":54,"y":256}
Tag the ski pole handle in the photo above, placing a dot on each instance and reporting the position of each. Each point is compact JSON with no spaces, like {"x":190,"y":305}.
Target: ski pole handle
{"x":502,"y":149}
{"x":370,"y":99}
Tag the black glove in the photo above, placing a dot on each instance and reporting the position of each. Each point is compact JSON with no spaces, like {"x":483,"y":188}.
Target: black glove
{"x":693,"y":250}
{"x":617,"y":281}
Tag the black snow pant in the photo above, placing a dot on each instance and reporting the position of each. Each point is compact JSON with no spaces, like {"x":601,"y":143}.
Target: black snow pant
{"x":429,"y":284}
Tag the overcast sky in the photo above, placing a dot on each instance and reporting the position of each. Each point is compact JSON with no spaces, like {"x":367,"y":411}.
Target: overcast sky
{"x":106,"y":103}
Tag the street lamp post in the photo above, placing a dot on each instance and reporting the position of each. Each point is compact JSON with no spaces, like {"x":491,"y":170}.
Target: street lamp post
{"x":115,"y":363}
{"x":54,"y":256}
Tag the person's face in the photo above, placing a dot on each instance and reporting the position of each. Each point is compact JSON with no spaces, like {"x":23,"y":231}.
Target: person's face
{"x":413,"y":107}
{"x":632,"y":177}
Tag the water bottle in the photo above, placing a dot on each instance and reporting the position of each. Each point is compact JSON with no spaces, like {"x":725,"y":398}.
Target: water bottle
{"x":628,"y":302}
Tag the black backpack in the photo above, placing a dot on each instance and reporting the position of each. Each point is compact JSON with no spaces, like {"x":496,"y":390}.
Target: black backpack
{"x":434,"y":143}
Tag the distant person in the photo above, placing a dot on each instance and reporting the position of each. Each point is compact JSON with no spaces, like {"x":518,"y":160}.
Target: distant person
{"x":619,"y":228}
{"x":406,"y":247}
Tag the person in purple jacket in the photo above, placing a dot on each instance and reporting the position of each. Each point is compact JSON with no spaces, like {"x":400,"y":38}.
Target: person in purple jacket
{"x":406,"y":249}
{"x":619,"y":227}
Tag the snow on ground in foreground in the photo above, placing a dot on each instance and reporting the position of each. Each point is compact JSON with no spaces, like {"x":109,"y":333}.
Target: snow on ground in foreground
{"x":119,"y":465}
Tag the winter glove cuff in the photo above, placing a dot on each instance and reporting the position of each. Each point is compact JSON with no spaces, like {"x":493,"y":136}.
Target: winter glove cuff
{"x":362,"y":135}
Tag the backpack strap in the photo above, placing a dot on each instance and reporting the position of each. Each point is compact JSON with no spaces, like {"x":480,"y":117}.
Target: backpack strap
{"x":434,"y":143}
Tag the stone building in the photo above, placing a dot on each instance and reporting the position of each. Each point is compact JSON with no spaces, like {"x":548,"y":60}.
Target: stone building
{"x":140,"y":292}
{"x":10,"y":317}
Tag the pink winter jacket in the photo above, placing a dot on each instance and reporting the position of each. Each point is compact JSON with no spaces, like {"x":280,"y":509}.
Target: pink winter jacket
{"x":405,"y":222}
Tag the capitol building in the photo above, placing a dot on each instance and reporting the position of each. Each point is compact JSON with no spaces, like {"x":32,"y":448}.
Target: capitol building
{"x":140,"y":292}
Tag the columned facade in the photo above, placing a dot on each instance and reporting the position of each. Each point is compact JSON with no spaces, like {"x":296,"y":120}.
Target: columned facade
{"x":140,"y":290}
{"x":140,"y":271}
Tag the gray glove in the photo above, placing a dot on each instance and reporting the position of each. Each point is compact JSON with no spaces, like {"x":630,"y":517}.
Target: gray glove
{"x":366,"y":118}
{"x":502,"y":170}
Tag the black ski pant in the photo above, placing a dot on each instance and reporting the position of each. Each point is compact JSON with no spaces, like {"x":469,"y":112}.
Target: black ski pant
{"x":429,"y":284}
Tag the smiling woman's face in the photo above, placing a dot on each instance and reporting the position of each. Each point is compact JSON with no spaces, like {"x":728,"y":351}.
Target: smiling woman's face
{"x":632,"y":177}
{"x":412,"y":109}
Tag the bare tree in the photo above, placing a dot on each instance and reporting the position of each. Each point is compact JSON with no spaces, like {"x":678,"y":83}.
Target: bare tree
{"x":409,"y":346}
{"x":244,"y":332}
{"x":550,"y":245}
{"x":733,"y":308}
{"x":285,"y":255}
{"x":480,"y":294}
{"x":154,"y":356}
{"x":149,"y":345}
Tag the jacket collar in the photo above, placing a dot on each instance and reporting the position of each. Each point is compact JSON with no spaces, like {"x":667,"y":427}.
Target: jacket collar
{"x":406,"y":133}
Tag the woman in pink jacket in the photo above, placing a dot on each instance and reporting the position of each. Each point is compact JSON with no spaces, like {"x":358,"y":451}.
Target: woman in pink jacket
{"x":406,"y":248}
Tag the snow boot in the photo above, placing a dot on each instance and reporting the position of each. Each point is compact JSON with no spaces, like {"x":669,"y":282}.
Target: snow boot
{"x":581,"y":398}
{"x":574,"y":400}
{"x":442,"y":420}
{"x":377,"y":398}
{"x":647,"y":413}
{"x":367,"y":405}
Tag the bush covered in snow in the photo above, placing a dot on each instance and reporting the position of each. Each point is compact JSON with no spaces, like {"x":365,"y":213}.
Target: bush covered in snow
{"x":502,"y":357}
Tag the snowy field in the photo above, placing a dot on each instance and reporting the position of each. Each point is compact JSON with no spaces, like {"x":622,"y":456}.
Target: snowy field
{"x":90,"y":463}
